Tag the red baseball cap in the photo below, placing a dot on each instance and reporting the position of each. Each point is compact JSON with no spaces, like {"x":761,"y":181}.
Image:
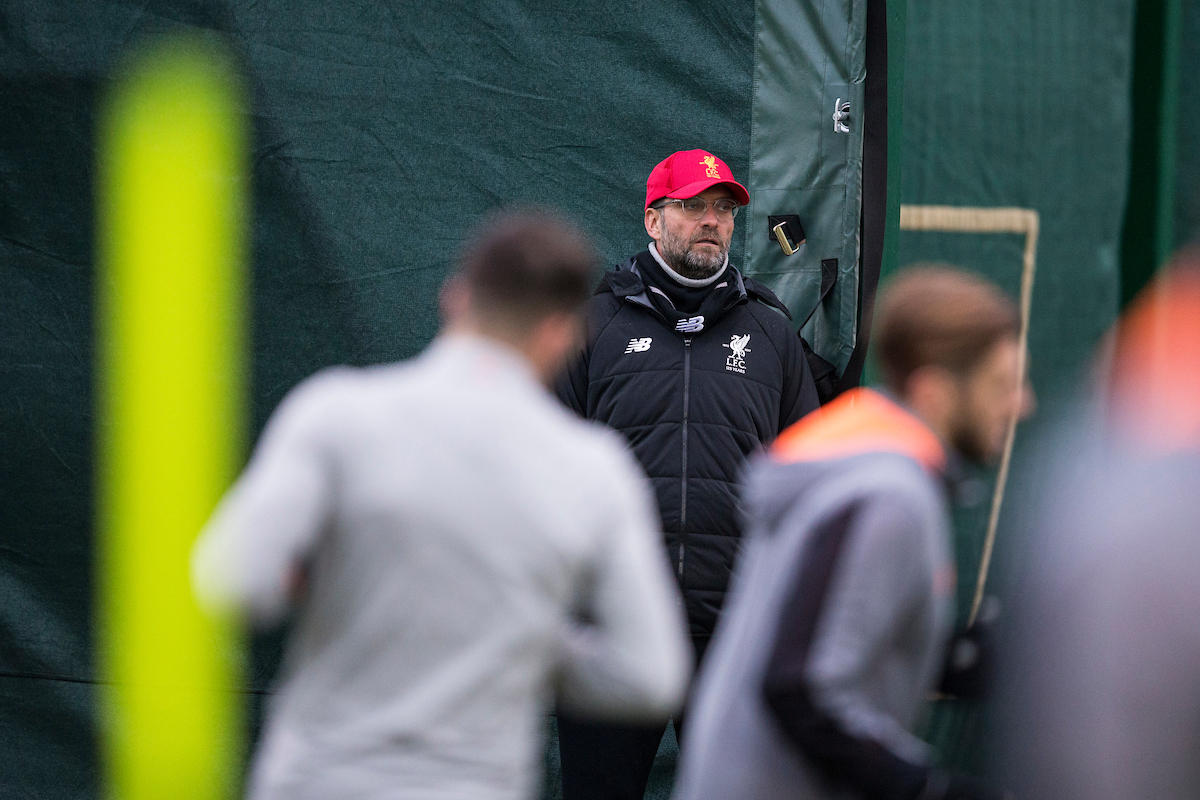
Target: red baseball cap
{"x":687,"y":173}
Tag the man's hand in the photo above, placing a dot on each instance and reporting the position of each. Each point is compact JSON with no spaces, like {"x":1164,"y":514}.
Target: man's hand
{"x":969,"y":657}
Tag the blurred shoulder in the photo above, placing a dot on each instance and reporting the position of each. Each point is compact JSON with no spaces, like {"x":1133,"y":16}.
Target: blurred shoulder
{"x":336,"y":394}
{"x":596,"y":447}
{"x":900,"y":488}
{"x":323,"y":388}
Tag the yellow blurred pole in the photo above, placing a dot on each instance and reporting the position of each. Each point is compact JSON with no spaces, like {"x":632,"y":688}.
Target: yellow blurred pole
{"x":171,"y":421}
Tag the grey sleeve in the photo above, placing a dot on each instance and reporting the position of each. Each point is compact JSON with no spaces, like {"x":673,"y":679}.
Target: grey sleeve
{"x":855,"y":582}
{"x":631,"y":658}
{"x":248,"y":555}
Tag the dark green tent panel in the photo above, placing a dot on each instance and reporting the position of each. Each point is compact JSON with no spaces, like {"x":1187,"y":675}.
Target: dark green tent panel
{"x":1187,"y":181}
{"x":810,"y":66}
{"x":382,"y":132}
{"x":1022,"y":105}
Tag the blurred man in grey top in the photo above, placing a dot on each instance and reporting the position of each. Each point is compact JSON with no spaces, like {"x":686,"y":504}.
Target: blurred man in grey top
{"x":1102,"y":690}
{"x":458,"y":546}
{"x":842,"y":600}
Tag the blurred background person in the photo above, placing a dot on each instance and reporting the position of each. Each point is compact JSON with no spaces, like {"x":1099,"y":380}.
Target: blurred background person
{"x":697,"y":365}
{"x":843,"y":601}
{"x":1102,"y":695}
{"x":442,"y":526}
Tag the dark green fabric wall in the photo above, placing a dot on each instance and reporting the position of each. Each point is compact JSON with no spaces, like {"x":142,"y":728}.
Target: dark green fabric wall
{"x":1148,"y":236}
{"x":382,"y":131}
{"x":1187,"y":179}
{"x":1020,"y":104}
{"x":808,"y":57}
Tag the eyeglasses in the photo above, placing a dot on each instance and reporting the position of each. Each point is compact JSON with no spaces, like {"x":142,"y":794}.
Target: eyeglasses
{"x":697,"y":207}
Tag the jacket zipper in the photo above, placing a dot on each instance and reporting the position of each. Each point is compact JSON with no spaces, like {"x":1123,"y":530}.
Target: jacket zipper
{"x":687,"y":380}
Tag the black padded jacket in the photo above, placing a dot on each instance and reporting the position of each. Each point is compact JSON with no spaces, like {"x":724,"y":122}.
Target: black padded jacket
{"x":694,"y":394}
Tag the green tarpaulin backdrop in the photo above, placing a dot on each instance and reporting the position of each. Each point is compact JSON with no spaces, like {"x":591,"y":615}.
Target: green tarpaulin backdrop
{"x":382,"y":131}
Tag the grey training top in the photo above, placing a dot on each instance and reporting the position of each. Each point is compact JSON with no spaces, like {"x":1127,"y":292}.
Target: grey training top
{"x":836,"y":627}
{"x":456,"y":521}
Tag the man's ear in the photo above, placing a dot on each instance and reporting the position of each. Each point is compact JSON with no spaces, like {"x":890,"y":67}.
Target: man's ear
{"x":932,"y":392}
{"x":552,"y":342}
{"x":654,"y":223}
{"x":454,"y":300}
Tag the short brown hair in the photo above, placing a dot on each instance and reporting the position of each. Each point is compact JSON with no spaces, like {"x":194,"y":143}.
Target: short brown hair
{"x":939,"y":315}
{"x":524,"y":265}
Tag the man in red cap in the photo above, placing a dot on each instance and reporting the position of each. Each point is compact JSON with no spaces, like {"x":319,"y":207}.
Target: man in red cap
{"x":698,"y":366}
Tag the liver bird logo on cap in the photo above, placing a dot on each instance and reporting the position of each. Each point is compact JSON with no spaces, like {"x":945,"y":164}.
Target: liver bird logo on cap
{"x":710,"y":167}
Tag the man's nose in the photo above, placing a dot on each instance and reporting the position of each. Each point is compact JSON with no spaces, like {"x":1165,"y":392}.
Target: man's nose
{"x":710,"y":218}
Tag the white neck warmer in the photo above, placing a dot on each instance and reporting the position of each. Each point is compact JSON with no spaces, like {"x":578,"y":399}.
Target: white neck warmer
{"x":694,"y":283}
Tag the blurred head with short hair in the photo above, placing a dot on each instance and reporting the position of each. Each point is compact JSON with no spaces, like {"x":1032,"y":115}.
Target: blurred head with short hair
{"x":522,"y":280}
{"x":948,"y":343}
{"x":1155,"y":375}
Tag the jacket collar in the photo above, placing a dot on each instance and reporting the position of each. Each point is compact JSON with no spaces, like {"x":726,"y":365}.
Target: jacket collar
{"x":627,"y":283}
{"x":861,"y":421}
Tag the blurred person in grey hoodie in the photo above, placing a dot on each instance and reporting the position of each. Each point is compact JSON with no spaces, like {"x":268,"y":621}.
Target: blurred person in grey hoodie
{"x":842,"y":600}
{"x":457,"y":546}
{"x":1101,"y":696}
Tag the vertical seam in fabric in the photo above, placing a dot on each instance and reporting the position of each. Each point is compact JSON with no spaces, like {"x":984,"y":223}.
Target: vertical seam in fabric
{"x":754,"y":102}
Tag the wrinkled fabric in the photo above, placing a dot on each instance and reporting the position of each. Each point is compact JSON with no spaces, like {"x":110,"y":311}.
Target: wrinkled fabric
{"x":810,"y":62}
{"x":380,"y":134}
{"x":1027,"y":105}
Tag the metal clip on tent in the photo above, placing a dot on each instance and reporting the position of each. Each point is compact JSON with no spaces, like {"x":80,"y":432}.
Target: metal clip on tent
{"x":786,"y":229}
{"x":788,"y":247}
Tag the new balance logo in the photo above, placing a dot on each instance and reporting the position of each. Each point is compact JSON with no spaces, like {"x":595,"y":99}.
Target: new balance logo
{"x":638,"y":345}
{"x":690,"y":325}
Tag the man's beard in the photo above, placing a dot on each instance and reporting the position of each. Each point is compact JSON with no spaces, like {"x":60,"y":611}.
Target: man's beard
{"x":694,"y":266}
{"x":970,"y":445}
{"x":969,"y":438}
